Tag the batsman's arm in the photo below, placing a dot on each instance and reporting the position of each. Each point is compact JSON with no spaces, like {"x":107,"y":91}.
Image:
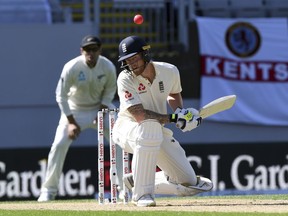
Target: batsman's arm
{"x":175,"y":101}
{"x":140,"y":114}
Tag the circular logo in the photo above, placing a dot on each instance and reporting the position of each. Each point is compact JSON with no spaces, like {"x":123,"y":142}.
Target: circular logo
{"x":243,"y":39}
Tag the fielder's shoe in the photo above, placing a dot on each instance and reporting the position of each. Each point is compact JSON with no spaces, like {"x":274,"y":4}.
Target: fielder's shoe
{"x":203,"y":184}
{"x":145,"y":201}
{"x":128,"y":181}
{"x":45,"y":197}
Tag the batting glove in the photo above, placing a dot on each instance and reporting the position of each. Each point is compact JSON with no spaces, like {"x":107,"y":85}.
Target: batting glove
{"x":187,"y":119}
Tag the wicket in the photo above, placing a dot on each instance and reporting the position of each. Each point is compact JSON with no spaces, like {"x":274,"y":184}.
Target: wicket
{"x":112,"y":146}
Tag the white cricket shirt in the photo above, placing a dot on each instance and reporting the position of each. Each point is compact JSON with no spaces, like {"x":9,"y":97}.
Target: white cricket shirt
{"x":84,"y":88}
{"x":135,"y":90}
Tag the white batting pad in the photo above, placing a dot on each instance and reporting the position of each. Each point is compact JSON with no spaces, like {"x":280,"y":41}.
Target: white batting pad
{"x":150,"y":137}
{"x":163,"y":186}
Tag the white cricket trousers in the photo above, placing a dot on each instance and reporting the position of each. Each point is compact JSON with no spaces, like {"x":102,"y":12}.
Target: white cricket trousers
{"x":171,"y":158}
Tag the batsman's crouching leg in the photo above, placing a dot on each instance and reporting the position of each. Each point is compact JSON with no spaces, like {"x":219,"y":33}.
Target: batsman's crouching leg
{"x":163,"y":186}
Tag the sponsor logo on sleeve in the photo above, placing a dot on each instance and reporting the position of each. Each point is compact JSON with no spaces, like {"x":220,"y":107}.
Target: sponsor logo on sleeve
{"x":142,"y":88}
{"x":128,"y":95}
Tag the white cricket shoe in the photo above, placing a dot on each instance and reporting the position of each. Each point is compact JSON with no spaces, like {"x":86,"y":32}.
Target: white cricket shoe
{"x":145,"y":201}
{"x":203,"y":184}
{"x":46,"y":197}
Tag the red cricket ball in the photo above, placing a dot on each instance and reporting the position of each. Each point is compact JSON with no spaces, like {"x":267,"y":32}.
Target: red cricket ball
{"x":138,"y":19}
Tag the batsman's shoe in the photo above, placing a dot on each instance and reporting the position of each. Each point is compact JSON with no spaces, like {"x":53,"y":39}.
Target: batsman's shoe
{"x":46,"y":197}
{"x":203,"y":185}
{"x":128,"y":181}
{"x":146,"y":200}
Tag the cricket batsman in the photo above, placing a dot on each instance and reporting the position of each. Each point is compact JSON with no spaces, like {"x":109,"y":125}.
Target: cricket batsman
{"x":144,"y":88}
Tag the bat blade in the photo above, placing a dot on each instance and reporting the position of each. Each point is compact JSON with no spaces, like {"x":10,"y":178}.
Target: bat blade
{"x":217,"y":105}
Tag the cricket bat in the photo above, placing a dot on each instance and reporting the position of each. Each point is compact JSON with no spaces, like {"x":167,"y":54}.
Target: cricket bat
{"x":215,"y":106}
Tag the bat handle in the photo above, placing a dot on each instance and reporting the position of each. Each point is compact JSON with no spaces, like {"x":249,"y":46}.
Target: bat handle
{"x":179,"y":124}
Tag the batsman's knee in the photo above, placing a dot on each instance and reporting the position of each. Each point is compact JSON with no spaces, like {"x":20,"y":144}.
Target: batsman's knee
{"x":149,"y":133}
